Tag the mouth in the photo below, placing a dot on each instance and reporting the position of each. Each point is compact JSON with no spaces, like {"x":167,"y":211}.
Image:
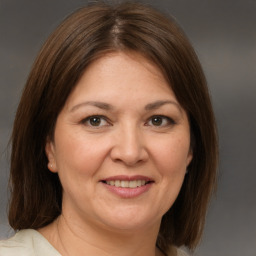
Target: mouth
{"x":127,"y":183}
{"x":128,"y":186}
{"x":123,"y":181}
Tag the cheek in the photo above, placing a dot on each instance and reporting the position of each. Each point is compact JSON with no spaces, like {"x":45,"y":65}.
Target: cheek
{"x":77,"y":155}
{"x":171,"y":156}
{"x":78,"y":161}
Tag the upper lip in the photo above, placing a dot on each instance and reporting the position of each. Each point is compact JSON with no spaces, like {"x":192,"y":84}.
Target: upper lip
{"x":128,"y":178}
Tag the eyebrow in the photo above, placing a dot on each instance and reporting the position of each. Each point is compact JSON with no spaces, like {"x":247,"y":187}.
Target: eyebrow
{"x":98,"y":104}
{"x":160,"y":103}
{"x":105,"y":106}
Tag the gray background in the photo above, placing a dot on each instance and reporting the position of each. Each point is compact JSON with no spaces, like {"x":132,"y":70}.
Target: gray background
{"x":224,"y":36}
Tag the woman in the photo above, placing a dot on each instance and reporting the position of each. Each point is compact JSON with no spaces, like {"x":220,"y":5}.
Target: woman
{"x":114,"y":146}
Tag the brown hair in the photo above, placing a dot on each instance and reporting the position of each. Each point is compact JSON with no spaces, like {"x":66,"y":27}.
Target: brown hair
{"x":84,"y":36}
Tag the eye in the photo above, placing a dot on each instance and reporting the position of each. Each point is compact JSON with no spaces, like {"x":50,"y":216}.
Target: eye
{"x":160,"y":121}
{"x":95,"y":121}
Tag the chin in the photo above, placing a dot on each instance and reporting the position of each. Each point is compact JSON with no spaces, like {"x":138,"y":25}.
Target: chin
{"x":131,"y":219}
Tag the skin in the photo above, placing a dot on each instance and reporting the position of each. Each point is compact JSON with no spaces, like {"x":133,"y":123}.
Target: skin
{"x":126,"y":140}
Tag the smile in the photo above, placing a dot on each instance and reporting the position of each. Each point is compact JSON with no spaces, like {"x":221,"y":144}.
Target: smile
{"x":126,"y":183}
{"x":128,"y":186}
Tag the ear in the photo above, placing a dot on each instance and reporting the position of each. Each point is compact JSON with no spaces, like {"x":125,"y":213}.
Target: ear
{"x":190,"y":156}
{"x":50,"y":153}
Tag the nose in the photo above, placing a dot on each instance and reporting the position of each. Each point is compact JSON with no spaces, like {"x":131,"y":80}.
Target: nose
{"x":129,"y":147}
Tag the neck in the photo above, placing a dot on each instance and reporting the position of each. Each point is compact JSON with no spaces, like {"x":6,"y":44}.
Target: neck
{"x":69,"y":238}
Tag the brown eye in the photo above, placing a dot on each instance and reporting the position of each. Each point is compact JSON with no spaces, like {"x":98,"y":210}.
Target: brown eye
{"x":157,"y":121}
{"x":95,"y":121}
{"x":160,"y":121}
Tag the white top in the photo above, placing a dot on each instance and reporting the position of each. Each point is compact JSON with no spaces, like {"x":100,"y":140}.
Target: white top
{"x":29,"y":242}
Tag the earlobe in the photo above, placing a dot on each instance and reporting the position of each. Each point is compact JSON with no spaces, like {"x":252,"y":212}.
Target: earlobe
{"x":50,"y":153}
{"x":190,"y":157}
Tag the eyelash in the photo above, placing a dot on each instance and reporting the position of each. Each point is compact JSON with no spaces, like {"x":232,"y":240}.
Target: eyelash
{"x":169,"y":121}
{"x":87,"y":119}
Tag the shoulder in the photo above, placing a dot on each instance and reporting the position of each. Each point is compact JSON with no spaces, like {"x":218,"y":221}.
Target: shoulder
{"x":19,"y":244}
{"x":181,"y":253}
{"x":27,"y":242}
{"x":174,"y":251}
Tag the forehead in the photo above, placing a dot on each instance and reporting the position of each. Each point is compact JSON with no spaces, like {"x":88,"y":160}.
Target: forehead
{"x":121,"y":74}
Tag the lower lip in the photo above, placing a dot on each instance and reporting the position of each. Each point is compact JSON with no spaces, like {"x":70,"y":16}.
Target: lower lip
{"x":128,"y":192}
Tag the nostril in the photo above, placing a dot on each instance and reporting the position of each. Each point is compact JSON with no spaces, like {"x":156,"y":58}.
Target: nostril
{"x":129,"y":151}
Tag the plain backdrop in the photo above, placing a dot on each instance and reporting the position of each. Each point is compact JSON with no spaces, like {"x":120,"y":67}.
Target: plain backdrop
{"x":223,"y":33}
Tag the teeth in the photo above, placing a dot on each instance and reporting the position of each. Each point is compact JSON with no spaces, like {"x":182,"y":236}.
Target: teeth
{"x":126,"y":183}
{"x":133,"y":184}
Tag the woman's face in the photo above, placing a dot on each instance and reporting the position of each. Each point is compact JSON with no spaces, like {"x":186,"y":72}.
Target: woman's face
{"x":121,"y":145}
